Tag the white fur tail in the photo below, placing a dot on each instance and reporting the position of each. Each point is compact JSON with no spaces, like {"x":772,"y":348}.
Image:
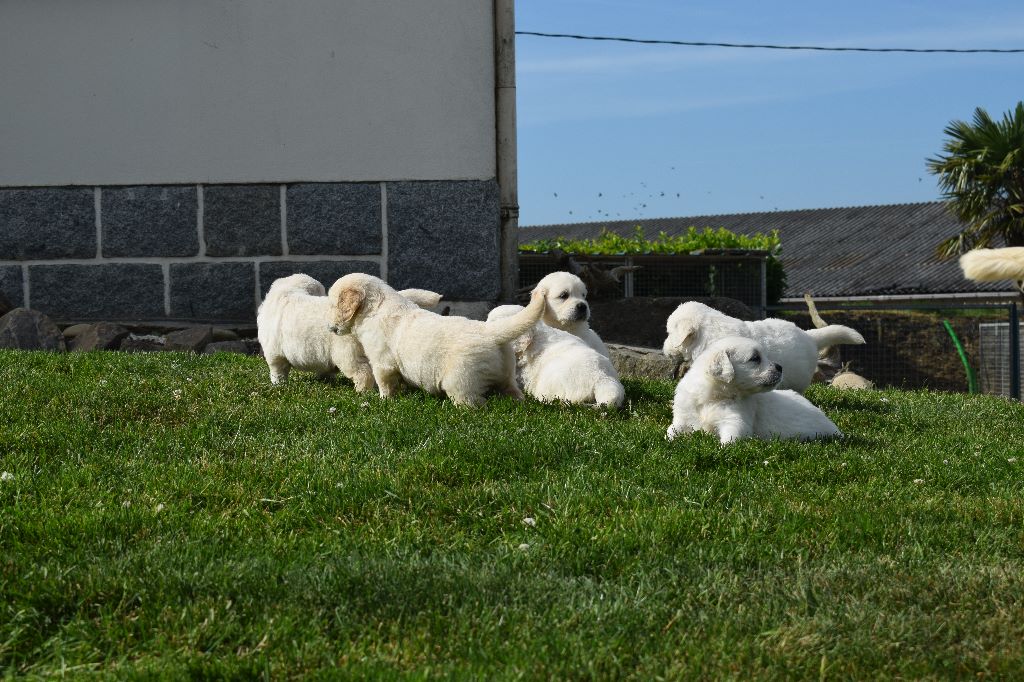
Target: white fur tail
{"x":610,"y":393}
{"x":505,"y":329}
{"x":422,"y":297}
{"x":834,"y":335}
{"x":993,"y":265}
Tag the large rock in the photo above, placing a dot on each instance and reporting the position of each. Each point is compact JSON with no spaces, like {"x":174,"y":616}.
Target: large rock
{"x":224,"y":334}
{"x":26,"y":329}
{"x":142,"y":343}
{"x":193,"y":339}
{"x":99,"y":336}
{"x":75,"y":329}
{"x":244,"y":346}
{"x":650,"y":363}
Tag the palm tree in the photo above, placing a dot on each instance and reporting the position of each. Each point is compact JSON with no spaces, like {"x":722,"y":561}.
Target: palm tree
{"x":982,"y":177}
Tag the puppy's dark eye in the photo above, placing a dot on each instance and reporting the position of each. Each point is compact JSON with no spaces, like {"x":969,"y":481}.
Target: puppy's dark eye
{"x":756,"y":357}
{"x":564,"y":295}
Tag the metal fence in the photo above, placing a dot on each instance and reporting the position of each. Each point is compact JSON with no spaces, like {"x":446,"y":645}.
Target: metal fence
{"x":965,"y":347}
{"x":740,"y":275}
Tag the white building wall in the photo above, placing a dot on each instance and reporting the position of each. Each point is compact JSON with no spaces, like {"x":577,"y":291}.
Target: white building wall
{"x":115,"y":92}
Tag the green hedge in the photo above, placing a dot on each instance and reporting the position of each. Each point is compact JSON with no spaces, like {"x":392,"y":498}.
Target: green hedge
{"x":611,"y":244}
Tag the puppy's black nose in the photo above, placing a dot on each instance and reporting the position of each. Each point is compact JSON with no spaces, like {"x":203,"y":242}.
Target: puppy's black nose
{"x":581,"y":309}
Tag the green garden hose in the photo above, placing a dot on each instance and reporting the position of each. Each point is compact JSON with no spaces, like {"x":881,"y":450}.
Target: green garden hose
{"x":972,"y":381}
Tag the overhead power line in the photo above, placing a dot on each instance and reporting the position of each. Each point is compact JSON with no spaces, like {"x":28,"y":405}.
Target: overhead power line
{"x":754,"y":46}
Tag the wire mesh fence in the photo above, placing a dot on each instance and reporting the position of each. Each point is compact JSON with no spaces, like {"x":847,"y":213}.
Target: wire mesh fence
{"x":995,"y":364}
{"x":964,"y":347}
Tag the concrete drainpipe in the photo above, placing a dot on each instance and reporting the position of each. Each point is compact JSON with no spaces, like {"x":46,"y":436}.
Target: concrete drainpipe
{"x":505,"y":105}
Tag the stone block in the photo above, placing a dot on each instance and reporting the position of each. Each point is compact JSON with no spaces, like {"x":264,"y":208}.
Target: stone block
{"x":10,"y":288}
{"x":47,"y":222}
{"x":444,"y":236}
{"x":325,"y":272}
{"x":99,"y":336}
{"x":242,"y":220}
{"x":213,"y":292}
{"x":149,"y":221}
{"x":111,"y":291}
{"x":334,"y":219}
{"x":474,"y":310}
{"x":26,"y":329}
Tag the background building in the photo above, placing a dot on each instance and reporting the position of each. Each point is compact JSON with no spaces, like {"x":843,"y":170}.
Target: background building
{"x":169,"y":160}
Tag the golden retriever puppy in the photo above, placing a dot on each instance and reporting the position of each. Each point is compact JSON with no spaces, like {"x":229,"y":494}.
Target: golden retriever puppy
{"x":993,"y":265}
{"x":556,"y":366}
{"x":291,"y":331}
{"x":453,"y":356}
{"x":729,"y":391}
{"x":567,"y":308}
{"x":694,"y":327}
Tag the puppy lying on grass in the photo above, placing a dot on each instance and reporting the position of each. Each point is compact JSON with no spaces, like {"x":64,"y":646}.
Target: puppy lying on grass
{"x":453,"y":356}
{"x":557,"y":366}
{"x":293,"y":334}
{"x":729,"y":391}
{"x":567,"y":308}
{"x":695,"y":327}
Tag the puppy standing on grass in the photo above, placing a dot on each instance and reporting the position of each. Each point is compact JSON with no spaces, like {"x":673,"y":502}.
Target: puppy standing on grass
{"x":292,"y":332}
{"x":568,"y":310}
{"x":555,"y":365}
{"x":729,"y":391}
{"x":695,"y":327}
{"x":453,"y":356}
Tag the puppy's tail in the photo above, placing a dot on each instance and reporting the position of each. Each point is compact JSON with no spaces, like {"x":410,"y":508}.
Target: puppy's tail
{"x":992,"y":265}
{"x":297,"y":282}
{"x":609,"y":393}
{"x":834,"y":335}
{"x":505,"y":329}
{"x":422,"y":297}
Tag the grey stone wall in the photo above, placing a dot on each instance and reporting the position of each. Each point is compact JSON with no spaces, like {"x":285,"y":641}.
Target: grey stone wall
{"x":209,"y":252}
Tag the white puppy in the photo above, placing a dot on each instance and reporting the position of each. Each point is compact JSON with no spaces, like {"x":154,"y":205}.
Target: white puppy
{"x":694,"y":327}
{"x":567,"y":308}
{"x":555,"y":365}
{"x":453,"y":356}
{"x":729,"y":392}
{"x":993,"y":265}
{"x":292,"y":332}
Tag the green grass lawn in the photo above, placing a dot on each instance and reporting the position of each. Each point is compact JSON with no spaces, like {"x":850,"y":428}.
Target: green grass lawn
{"x":175,"y":515}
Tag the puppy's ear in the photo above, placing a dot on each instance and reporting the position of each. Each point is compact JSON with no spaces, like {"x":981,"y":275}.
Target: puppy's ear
{"x":522,"y":343}
{"x":720,"y":367}
{"x":350,"y":300}
{"x":686,"y":331}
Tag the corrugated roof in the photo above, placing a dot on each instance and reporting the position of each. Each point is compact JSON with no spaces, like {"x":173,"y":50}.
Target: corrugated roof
{"x":851,"y":251}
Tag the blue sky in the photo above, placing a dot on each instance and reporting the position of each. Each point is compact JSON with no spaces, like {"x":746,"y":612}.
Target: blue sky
{"x":620,"y":131}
